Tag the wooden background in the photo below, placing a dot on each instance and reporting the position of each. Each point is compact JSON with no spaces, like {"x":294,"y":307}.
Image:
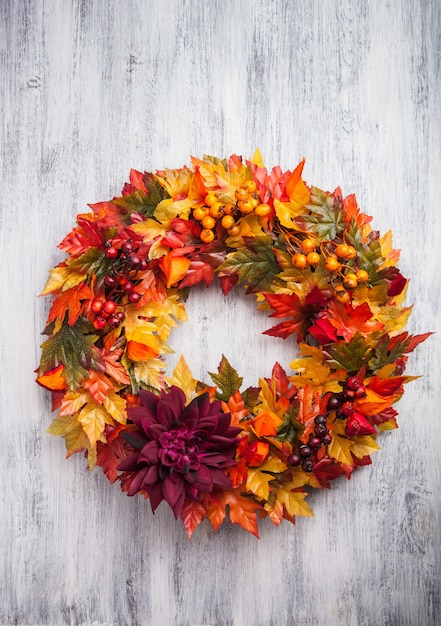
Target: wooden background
{"x":91,"y":88}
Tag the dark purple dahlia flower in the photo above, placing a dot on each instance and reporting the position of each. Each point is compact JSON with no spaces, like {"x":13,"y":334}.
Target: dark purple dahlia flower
{"x":181,"y":450}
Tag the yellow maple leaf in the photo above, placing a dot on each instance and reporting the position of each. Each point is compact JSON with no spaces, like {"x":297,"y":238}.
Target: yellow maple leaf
{"x":311,"y":369}
{"x":183,"y":378}
{"x":75,"y":439}
{"x":93,"y":419}
{"x":257,"y":158}
{"x":258,"y":482}
{"x":390,"y":255}
{"x":293,"y":501}
{"x":151,"y":230}
{"x":116,"y":407}
{"x":150,"y":372}
{"x":61,"y":277}
{"x":287,"y":212}
{"x":341,"y":446}
{"x":73,"y":401}
{"x":364,"y":446}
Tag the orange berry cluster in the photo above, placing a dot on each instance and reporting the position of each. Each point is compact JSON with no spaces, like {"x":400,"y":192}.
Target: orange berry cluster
{"x":334,"y":263}
{"x":226,"y":213}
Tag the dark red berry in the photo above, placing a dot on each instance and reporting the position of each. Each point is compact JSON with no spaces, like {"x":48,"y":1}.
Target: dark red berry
{"x":353,"y":383}
{"x":348,"y":408}
{"x":127,"y":247}
{"x":113,"y":321}
{"x":120,"y":315}
{"x":109,"y":307}
{"x":143,"y":265}
{"x":133,"y":261}
{"x":134,"y":297}
{"x":127,"y":287}
{"x":307,"y":465}
{"x":314,"y":443}
{"x":294,"y":459}
{"x":340,"y":414}
{"x":333,"y":403}
{"x":109,"y":281}
{"x":111,"y":253}
{"x":305,"y":451}
{"x":327,"y":439}
{"x":320,"y":419}
{"x":320,"y":430}
{"x":347,"y":394}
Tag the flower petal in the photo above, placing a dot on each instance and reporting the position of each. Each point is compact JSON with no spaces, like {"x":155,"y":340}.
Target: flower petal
{"x":174,"y":492}
{"x":149,"y":453}
{"x":137,"y":482}
{"x":155,"y":495}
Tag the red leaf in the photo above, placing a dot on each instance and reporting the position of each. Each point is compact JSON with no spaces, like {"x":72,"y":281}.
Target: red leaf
{"x":349,"y":320}
{"x":110,"y":455}
{"x":192,"y":514}
{"x":386,"y":415}
{"x":326,"y":470}
{"x":323,"y":331}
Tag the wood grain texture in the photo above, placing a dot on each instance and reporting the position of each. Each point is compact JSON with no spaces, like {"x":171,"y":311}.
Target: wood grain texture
{"x":91,"y":89}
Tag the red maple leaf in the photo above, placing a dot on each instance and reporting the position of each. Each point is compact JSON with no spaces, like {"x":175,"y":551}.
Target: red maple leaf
{"x":110,"y":455}
{"x":326,"y":470}
{"x":349,"y":320}
{"x":302,"y":316}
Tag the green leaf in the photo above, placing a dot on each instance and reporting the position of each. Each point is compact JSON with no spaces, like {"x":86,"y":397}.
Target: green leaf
{"x":141,"y":202}
{"x":227,"y":380}
{"x":326,"y":220}
{"x":94,"y":261}
{"x":255,"y":265}
{"x":368,"y":253}
{"x":350,"y":355}
{"x":71,"y":346}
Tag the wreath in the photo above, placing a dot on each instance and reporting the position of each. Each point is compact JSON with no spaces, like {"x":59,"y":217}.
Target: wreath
{"x":208,"y":448}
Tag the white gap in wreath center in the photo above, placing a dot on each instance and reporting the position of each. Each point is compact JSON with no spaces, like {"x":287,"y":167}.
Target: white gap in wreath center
{"x":232,"y":326}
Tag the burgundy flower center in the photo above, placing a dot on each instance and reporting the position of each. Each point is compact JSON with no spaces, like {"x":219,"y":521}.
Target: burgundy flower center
{"x":179,"y":450}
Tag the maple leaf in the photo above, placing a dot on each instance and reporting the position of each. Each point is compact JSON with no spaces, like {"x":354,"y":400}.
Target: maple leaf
{"x":71,"y":346}
{"x":258,"y":482}
{"x":255,"y":265}
{"x":302,"y":315}
{"x":70,"y":300}
{"x":352,"y":211}
{"x":86,"y":235}
{"x":293,"y":500}
{"x":94,"y":261}
{"x":93,"y":419}
{"x":192,"y":514}
{"x":114,"y":367}
{"x":236,"y":407}
{"x":326,"y":220}
{"x":326,"y":470}
{"x":348,"y":320}
{"x":62,"y":278}
{"x":227,"y":380}
{"x":110,"y":455}
{"x":237,"y":473}
{"x":141,"y":202}
{"x":351,"y":355}
{"x":242,"y":510}
{"x":98,"y":384}
{"x":312,"y":369}
{"x":341,"y":446}
{"x":115,"y":405}
{"x":150,"y":373}
{"x":183,"y":378}
{"x":70,"y":429}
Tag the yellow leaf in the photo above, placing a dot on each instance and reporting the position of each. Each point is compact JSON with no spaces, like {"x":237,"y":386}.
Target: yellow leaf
{"x":293,"y":501}
{"x":364,"y":446}
{"x":340,"y":446}
{"x":288,"y":211}
{"x":390,"y":255}
{"x":257,"y":158}
{"x":183,"y":378}
{"x":93,"y":419}
{"x":273,"y":464}
{"x":143,"y":350}
{"x":73,"y":401}
{"x":116,"y":406}
{"x":258,"y":482}
{"x":150,"y":372}
{"x":62,"y":278}
{"x":313,"y":371}
{"x":150,"y":230}
{"x":67,"y":426}
{"x":165,"y":212}
{"x":394,"y":318}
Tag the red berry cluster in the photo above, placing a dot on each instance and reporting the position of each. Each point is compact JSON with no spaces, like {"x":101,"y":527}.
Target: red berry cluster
{"x":343,"y":405}
{"x":119,"y":284}
{"x":305,"y":454}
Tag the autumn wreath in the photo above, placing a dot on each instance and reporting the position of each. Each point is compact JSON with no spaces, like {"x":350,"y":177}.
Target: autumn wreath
{"x":307,"y":255}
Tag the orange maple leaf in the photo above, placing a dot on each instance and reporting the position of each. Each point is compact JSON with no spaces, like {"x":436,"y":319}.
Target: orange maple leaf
{"x":192,"y":514}
{"x":70,"y":300}
{"x":242,"y":510}
{"x":235,"y":406}
{"x":113,"y":366}
{"x":349,"y":320}
{"x":98,"y":384}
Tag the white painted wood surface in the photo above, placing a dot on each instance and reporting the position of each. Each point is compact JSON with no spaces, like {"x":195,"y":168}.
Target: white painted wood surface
{"x":91,"y":88}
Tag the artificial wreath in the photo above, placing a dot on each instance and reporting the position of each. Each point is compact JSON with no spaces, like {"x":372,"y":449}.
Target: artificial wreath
{"x":309,"y":256}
